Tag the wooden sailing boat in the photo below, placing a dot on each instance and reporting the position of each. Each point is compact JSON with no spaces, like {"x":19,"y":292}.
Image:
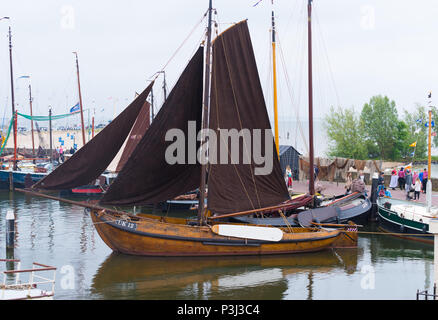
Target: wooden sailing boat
{"x":236,"y":102}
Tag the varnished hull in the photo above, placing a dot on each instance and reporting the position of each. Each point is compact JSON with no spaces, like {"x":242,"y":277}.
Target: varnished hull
{"x":151,"y":237}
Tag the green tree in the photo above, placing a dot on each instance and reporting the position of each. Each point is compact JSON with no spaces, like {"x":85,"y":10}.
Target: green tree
{"x":380,"y":124}
{"x":435,"y":128}
{"x":344,"y":134}
{"x":417,"y":132}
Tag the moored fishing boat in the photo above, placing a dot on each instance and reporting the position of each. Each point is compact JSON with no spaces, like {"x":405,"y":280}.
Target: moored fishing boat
{"x":353,"y":208}
{"x":153,"y":175}
{"x":159,"y":236}
{"x":406,"y":219}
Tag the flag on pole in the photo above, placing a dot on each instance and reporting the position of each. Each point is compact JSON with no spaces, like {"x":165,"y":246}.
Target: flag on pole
{"x":427,"y":124}
{"x":75,"y":108}
{"x":413,"y":144}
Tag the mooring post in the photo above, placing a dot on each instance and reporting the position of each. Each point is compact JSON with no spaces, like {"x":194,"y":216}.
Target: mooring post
{"x":433,"y":228}
{"x":10,"y":229}
{"x":11,"y":181}
{"x":374,"y":185}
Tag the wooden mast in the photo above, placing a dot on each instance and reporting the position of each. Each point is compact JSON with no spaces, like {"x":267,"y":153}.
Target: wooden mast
{"x":80,"y":100}
{"x":152,"y":104}
{"x":274,"y":66}
{"x":14,"y":116}
{"x":311,"y":153}
{"x":31,"y":121}
{"x":50,"y":134}
{"x":92,"y":124}
{"x":202,"y":188}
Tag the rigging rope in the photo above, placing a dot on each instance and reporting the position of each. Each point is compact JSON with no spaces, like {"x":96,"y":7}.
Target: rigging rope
{"x":47,"y":118}
{"x":7,"y":136}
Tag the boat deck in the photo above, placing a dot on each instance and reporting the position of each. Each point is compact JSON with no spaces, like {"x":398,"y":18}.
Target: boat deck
{"x":411,"y":211}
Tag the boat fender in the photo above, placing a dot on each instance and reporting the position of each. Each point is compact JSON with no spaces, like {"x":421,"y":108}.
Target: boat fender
{"x":402,"y":228}
{"x":424,"y":229}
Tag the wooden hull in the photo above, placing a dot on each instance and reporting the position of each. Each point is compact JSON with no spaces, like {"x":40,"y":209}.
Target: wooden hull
{"x":147,"y":236}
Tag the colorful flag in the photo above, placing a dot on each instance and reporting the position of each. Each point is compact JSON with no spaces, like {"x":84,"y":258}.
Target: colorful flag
{"x":413,"y":144}
{"x":427,"y":124}
{"x":75,"y":108}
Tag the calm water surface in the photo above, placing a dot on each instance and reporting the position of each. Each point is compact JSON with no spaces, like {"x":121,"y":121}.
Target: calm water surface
{"x":62,"y":235}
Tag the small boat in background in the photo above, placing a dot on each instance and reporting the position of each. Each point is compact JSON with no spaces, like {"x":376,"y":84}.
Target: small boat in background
{"x":406,"y":219}
{"x":354,"y":207}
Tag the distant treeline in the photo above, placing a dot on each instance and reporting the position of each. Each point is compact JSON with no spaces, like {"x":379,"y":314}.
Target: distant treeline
{"x":379,"y":132}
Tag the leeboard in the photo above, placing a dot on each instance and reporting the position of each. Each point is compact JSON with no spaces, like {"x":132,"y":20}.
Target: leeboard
{"x":248,"y":232}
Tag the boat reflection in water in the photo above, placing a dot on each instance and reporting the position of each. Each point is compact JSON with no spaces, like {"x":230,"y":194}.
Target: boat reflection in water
{"x":122,"y":276}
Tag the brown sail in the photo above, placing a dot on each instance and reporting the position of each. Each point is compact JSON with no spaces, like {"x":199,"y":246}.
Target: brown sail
{"x":141,"y":124}
{"x":237,"y":102}
{"x":92,"y":159}
{"x":147,"y":177}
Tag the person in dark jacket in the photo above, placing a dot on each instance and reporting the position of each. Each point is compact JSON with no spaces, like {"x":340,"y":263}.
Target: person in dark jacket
{"x":408,"y":184}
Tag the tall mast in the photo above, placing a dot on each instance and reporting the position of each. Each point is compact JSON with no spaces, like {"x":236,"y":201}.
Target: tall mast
{"x":50,"y":134}
{"x":429,"y":175}
{"x":31,"y":120}
{"x":311,"y":155}
{"x":152,"y":104}
{"x":164,"y":85}
{"x":13,"y":100}
{"x":205,"y":114}
{"x":274,"y":66}
{"x":80,"y":100}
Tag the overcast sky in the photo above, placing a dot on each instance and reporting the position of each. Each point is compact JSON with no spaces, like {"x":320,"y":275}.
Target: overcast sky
{"x":361,"y":48}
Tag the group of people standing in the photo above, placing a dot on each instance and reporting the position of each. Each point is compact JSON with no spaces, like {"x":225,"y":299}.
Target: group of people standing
{"x":409,"y":181}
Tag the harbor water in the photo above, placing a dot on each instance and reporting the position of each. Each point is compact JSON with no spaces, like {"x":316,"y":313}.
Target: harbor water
{"x":62,"y":235}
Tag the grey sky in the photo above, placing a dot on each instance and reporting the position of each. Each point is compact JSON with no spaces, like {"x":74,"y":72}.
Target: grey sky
{"x":373,"y":47}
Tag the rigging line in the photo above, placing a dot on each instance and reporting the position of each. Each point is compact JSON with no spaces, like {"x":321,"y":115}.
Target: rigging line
{"x":290,"y":90}
{"x":327,"y":56}
{"x":240,"y":120}
{"x":269,"y":79}
{"x":300,"y":62}
{"x":185,"y":40}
